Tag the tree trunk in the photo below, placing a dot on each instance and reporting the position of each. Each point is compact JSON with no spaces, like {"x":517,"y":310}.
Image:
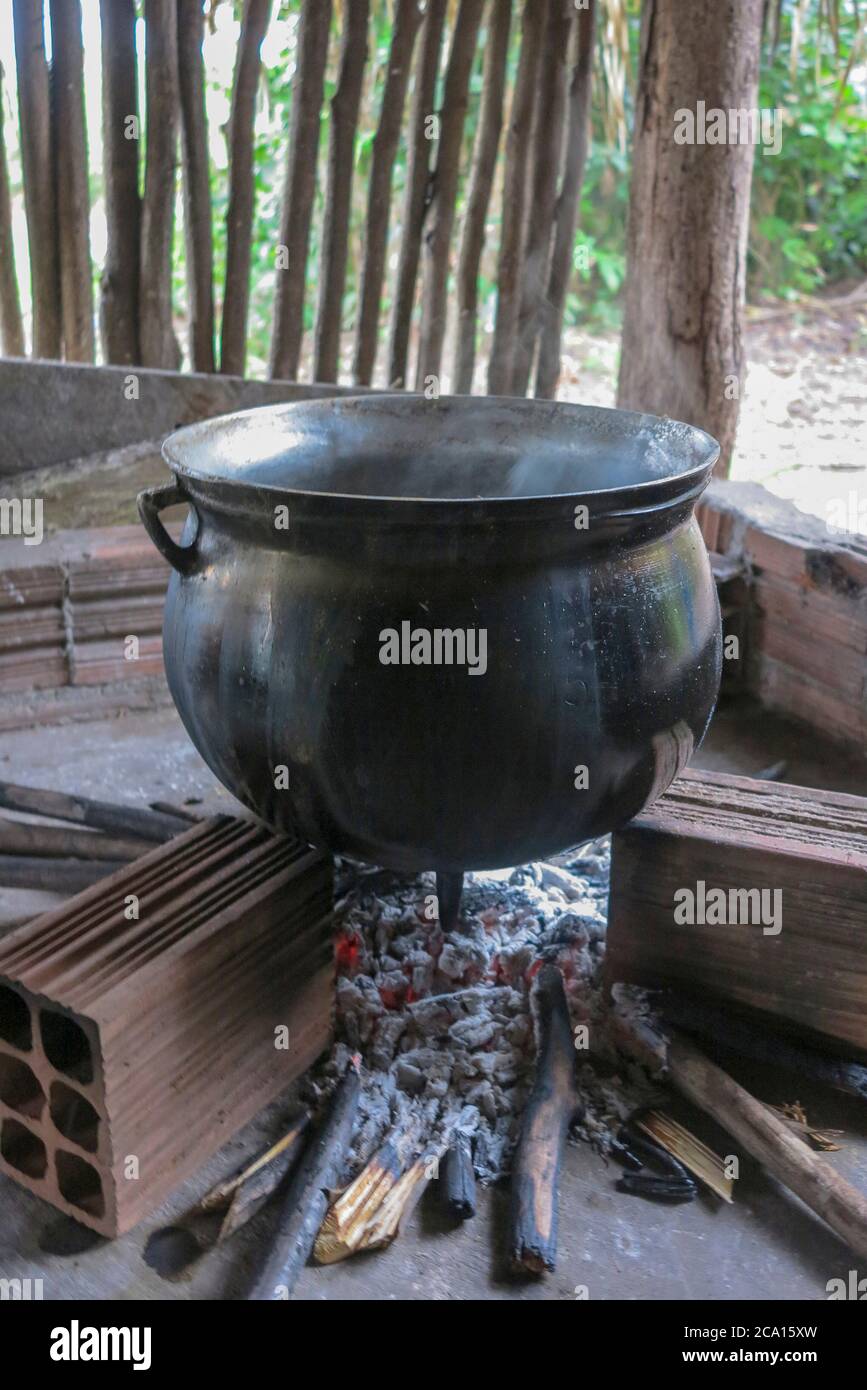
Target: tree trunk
{"x":417,"y":189}
{"x":198,"y":230}
{"x":239,"y":216}
{"x":11,"y":323}
{"x":406,"y":24}
{"x":568,"y":204}
{"x":335,"y":231}
{"x":441,"y":213}
{"x":479,"y":196}
{"x":37,"y":167}
{"x":73,"y":193}
{"x":118,"y":312}
{"x":539,"y":211}
{"x":158,"y":345}
{"x":514,"y":184}
{"x":299,"y":188}
{"x":688,"y":217}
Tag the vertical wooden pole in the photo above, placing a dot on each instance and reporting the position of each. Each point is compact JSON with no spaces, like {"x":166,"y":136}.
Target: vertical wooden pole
{"x":37,"y":166}
{"x":406,"y":24}
{"x":479,"y":196}
{"x":299,"y":188}
{"x":159,"y":347}
{"x":514,"y":185}
{"x":73,"y":193}
{"x":335,"y":232}
{"x":239,"y":217}
{"x":197,"y":185}
{"x":688,"y":217}
{"x":121,"y":140}
{"x":436,"y":242}
{"x":418,"y":188}
{"x":541,"y":203}
{"x":568,"y":204}
{"x":11,"y":323}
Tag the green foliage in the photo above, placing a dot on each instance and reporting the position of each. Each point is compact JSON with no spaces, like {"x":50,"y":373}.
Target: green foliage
{"x":809,"y":206}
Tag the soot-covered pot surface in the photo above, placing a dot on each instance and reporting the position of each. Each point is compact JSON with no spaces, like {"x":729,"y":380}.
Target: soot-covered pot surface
{"x":440,"y":634}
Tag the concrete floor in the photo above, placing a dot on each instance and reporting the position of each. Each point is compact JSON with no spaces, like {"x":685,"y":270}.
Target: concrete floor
{"x":765,"y":1246}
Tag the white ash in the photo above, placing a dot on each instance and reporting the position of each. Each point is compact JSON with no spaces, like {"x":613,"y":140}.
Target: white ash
{"x":443,"y":1023}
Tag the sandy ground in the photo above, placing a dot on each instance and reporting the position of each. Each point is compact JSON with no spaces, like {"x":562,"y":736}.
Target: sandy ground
{"x":803,"y":423}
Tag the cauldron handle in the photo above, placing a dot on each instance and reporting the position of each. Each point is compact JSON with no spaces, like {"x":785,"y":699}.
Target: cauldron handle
{"x":150,"y":503}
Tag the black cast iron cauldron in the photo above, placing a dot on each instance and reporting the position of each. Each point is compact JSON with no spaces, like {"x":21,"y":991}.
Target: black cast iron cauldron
{"x":440,"y":634}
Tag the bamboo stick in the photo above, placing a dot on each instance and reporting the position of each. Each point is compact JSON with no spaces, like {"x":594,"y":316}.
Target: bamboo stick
{"x":198,"y":229}
{"x":157,"y":339}
{"x":11,"y":322}
{"x":37,"y":165}
{"x":118,"y":311}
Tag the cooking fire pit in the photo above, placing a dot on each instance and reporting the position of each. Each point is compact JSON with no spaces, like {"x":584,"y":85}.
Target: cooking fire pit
{"x":440,"y":634}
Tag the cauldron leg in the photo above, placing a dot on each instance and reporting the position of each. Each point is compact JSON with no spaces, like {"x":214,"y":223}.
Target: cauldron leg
{"x":449,"y":890}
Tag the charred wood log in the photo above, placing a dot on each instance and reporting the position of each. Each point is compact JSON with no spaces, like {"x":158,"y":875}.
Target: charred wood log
{"x":100,"y":815}
{"x":54,"y":875}
{"x":549,"y":1112}
{"x":59,"y":842}
{"x":458,"y":1179}
{"x":306,"y":1200}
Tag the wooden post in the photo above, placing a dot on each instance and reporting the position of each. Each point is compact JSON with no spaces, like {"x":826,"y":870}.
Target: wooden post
{"x":542,"y":188}
{"x":299,"y":188}
{"x":73,"y":194}
{"x":239,"y":217}
{"x":417,"y":188}
{"x":406,"y":24}
{"x":11,"y":324}
{"x":568,"y":204}
{"x":335,"y":230}
{"x":688,"y":217}
{"x":479,"y":196}
{"x":441,"y":213}
{"x":197,"y":185}
{"x":118,"y":311}
{"x":158,"y":345}
{"x":37,"y":166}
{"x":512,"y":231}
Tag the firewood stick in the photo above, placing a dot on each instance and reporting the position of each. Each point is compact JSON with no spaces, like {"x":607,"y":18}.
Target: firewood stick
{"x":60,"y":842}
{"x":458,"y":1179}
{"x":100,"y":815}
{"x":54,"y":875}
{"x":549,"y":1112}
{"x":770,"y":1141}
{"x":306,"y":1199}
{"x":368,"y":1214}
{"x":721,"y":1026}
{"x":167,"y":808}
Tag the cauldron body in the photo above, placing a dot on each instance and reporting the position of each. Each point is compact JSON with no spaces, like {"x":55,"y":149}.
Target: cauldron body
{"x":324,"y":535}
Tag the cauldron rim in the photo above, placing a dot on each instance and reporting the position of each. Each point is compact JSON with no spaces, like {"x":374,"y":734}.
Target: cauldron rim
{"x":188,"y":450}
